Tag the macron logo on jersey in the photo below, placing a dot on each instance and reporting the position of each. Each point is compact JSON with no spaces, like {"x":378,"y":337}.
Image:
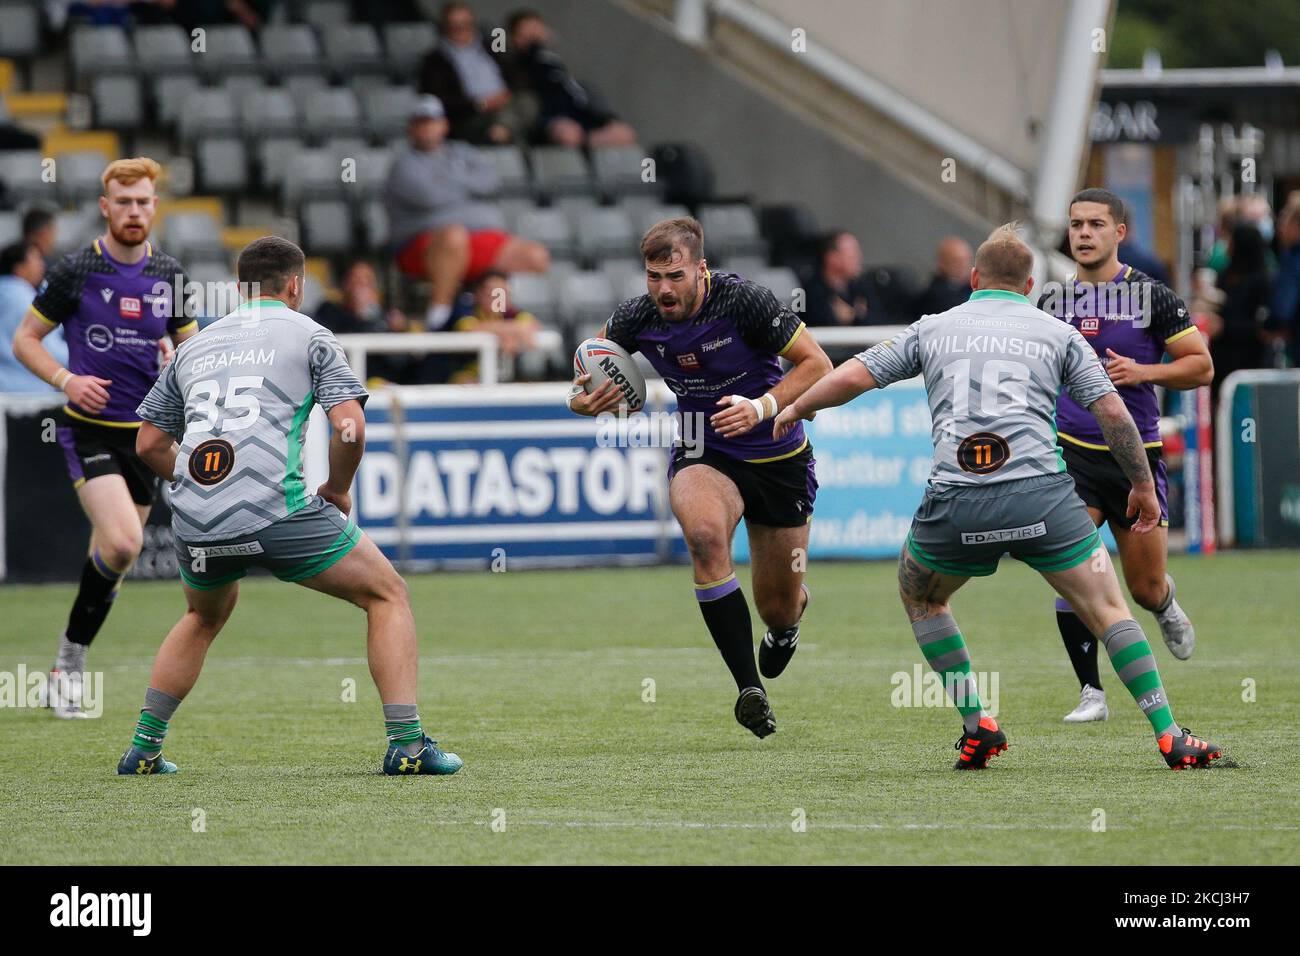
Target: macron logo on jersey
{"x":107,"y":293}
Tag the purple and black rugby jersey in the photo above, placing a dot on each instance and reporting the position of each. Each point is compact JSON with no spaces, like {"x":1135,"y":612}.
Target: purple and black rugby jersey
{"x":1136,"y":316}
{"x":113,"y":315}
{"x":728,"y":347}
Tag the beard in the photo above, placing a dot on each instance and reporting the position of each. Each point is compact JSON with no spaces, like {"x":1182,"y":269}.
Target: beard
{"x":686,"y":303}
{"x":127,"y":236}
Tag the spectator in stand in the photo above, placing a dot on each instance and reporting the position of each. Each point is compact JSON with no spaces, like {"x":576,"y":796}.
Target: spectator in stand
{"x":462,"y":72}
{"x":442,"y":228}
{"x":1285,"y":307}
{"x":950,"y":285}
{"x":839,"y":294}
{"x":1248,"y":289}
{"x":22,"y":269}
{"x":40,"y":229}
{"x":569,"y":114}
{"x":487,"y":308}
{"x":358,"y":310}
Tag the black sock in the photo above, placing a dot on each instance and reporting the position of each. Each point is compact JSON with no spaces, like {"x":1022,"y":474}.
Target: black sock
{"x":94,"y":600}
{"x":726,"y":612}
{"x":1080,"y":643}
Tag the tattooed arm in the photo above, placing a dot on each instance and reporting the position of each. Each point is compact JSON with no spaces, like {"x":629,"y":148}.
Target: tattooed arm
{"x":1127,"y":448}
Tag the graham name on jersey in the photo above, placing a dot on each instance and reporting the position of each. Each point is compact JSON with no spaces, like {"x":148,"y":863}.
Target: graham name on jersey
{"x":206,"y":363}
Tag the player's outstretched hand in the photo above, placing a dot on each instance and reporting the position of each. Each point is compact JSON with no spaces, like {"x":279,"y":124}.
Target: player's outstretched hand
{"x":340,"y":500}
{"x":1142,"y":501}
{"x":604,"y":399}
{"x":783,"y":422}
{"x":167,"y":351}
{"x":88,"y":392}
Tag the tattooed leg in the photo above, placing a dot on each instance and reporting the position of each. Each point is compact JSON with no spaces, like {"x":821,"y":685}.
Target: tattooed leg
{"x":925,"y":595}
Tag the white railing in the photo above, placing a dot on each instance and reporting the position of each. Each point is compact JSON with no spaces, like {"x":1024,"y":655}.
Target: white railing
{"x":358,"y":348}
{"x":863,"y":336}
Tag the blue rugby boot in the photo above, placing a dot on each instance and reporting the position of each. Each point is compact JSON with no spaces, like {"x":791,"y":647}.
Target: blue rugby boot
{"x":428,"y":759}
{"x":134,"y":761}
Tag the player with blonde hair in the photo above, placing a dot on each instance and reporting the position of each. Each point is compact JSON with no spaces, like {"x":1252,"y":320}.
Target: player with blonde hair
{"x":116,"y":300}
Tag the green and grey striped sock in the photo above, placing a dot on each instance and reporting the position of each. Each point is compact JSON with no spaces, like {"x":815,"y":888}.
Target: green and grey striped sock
{"x":402,"y":723}
{"x":151,"y":729}
{"x":1130,"y":655}
{"x":943,"y":646}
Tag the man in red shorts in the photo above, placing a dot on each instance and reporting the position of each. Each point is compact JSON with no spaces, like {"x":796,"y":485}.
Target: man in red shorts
{"x":443,"y":229}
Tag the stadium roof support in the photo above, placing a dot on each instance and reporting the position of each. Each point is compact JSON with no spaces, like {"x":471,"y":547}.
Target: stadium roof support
{"x":1065,"y":133}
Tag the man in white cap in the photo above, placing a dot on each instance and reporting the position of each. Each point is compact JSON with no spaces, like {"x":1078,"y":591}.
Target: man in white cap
{"x":442,"y":227}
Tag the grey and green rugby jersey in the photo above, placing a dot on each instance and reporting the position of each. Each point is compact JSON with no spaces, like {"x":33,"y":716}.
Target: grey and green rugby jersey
{"x":993,"y":368}
{"x":237,"y":397}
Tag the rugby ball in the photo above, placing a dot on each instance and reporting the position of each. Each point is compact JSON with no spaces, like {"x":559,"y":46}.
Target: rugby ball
{"x":603,"y":360}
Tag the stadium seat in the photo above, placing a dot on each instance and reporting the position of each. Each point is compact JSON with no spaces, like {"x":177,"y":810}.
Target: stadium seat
{"x":586,"y":298}
{"x":326,"y":227}
{"x":20,"y":30}
{"x":560,"y":272}
{"x":374,"y":224}
{"x":353,"y":48}
{"x":207,"y":112}
{"x":243,"y":88}
{"x":731,"y":229}
{"x":617,"y":171}
{"x":331,"y":111}
{"x":574,"y":206}
{"x":266,"y":112}
{"x":559,"y":171}
{"x":222,"y":165}
{"x":535,"y":294}
{"x":220,"y":288}
{"x":780,"y":280}
{"x":324,"y":14}
{"x":227,"y":49}
{"x":11,"y":227}
{"x":316,"y":174}
{"x":605,"y":232}
{"x":626,"y":277}
{"x":75,"y":228}
{"x":406,"y":44}
{"x":512,"y":169}
{"x":118,"y":102}
{"x":274,"y":154}
{"x":372,"y":164}
{"x":386,"y":111}
{"x":747,"y":266}
{"x":344,"y":147}
{"x":21,"y":174}
{"x":512,"y":209}
{"x":99,"y":50}
{"x":290,"y":48}
{"x":302,"y":86}
{"x":191,"y":235}
{"x":363,"y":84}
{"x":646,"y":214}
{"x":169,"y":95}
{"x":551,"y":228}
{"x":162,"y":49}
{"x":79,"y":175}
